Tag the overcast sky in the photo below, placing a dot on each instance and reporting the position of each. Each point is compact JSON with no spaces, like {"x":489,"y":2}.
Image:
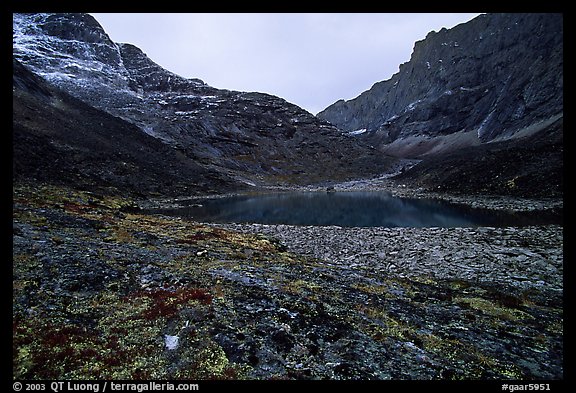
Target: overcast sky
{"x":311,"y":60}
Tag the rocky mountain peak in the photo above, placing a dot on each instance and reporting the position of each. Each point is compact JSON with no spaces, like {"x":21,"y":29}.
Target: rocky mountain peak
{"x":149,"y":75}
{"x":67,"y":49}
{"x":488,"y":78}
{"x":73,"y":26}
{"x":249,"y":135}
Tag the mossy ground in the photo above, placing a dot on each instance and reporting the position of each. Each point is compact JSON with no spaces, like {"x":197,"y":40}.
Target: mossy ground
{"x":96,"y":290}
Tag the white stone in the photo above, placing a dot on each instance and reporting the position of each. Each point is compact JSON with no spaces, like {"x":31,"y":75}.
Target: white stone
{"x":171,"y":342}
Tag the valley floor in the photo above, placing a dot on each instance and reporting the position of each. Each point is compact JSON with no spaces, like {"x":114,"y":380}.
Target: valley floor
{"x":102,"y":291}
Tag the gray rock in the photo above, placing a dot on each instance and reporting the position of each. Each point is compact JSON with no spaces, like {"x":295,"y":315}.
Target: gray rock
{"x":490,"y":77}
{"x":246,"y":135}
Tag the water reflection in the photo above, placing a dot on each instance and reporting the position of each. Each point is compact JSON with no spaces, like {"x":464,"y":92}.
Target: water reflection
{"x":350,"y":209}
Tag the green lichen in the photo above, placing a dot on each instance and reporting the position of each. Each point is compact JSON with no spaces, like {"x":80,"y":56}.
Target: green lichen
{"x":301,"y":287}
{"x":492,"y":309}
{"x":372,"y":289}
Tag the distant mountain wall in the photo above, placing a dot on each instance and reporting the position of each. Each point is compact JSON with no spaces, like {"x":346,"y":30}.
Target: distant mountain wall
{"x":482,"y":80}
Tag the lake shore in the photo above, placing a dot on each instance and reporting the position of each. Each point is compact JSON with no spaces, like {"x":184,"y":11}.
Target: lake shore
{"x":519,"y":258}
{"x":384,"y":183}
{"x":101,"y":290}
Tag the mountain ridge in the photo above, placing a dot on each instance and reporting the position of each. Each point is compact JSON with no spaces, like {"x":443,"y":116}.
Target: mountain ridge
{"x":62,"y":140}
{"x":246,"y":140}
{"x":254,"y":137}
{"x":491,"y":76}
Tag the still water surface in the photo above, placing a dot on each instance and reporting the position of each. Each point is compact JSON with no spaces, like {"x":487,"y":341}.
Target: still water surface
{"x":349,"y":209}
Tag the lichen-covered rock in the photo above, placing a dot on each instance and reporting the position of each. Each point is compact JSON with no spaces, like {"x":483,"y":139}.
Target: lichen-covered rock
{"x":119,"y":295}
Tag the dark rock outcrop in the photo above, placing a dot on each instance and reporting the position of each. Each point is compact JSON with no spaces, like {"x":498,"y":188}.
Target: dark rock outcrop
{"x":483,"y":80}
{"x":252,"y":137}
{"x":58,"y":138}
{"x":524,"y":167}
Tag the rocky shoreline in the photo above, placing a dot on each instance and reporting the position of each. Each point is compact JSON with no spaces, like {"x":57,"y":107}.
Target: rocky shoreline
{"x":387,"y":183}
{"x":511,"y":256}
{"x":523,"y":258}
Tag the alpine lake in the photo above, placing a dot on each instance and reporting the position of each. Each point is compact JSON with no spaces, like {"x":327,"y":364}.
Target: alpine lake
{"x":348,"y":209}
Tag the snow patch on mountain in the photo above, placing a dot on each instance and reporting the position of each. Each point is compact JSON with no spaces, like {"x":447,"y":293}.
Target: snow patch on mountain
{"x":61,"y":59}
{"x":356,"y":132}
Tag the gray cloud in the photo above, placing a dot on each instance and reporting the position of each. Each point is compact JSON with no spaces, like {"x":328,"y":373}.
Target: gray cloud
{"x":311,"y":60}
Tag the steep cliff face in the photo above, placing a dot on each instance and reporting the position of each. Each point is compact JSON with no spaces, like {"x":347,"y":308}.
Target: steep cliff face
{"x":250,"y":136}
{"x":60,"y":139}
{"x":479,"y":81}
